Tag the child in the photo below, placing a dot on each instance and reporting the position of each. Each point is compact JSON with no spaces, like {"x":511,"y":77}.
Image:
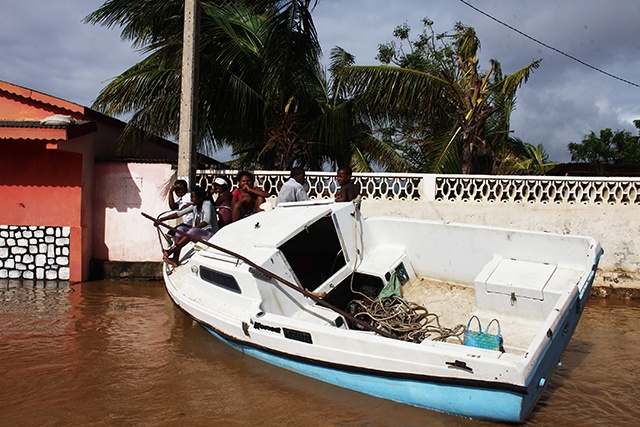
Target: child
{"x":181,"y":200}
{"x":349,"y":190}
{"x":204,"y":218}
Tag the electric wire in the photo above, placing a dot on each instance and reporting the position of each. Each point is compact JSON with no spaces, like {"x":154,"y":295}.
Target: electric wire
{"x":550,"y":47}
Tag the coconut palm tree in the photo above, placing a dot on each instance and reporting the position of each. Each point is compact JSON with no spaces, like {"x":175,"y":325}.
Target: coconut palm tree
{"x":262,"y":90}
{"x":461,"y":115}
{"x":256,"y":59}
{"x":344,"y":132}
{"x":524,"y":158}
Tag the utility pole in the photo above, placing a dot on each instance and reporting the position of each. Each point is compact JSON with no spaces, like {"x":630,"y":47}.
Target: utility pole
{"x":189,"y":92}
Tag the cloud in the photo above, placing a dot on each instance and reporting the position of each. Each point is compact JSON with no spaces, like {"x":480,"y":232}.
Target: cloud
{"x":45,"y":46}
{"x":563,"y":99}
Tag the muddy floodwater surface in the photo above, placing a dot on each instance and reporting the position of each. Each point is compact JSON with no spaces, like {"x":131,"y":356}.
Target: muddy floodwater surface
{"x":120,"y":354}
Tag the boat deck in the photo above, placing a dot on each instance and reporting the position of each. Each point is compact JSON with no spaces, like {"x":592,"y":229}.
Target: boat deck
{"x":455,"y":304}
{"x":451,"y":302}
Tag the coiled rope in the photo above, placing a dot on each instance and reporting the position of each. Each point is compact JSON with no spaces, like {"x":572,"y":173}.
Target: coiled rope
{"x":406,"y":321}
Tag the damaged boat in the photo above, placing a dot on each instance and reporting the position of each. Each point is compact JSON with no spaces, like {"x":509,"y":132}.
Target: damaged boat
{"x":392,"y":307}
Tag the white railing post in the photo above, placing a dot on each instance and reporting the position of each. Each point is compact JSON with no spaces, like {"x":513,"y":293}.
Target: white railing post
{"x":428,"y":187}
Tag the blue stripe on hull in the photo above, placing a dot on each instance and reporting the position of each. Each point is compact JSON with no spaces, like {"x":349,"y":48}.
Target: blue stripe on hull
{"x":471,"y":402}
{"x":461,"y":400}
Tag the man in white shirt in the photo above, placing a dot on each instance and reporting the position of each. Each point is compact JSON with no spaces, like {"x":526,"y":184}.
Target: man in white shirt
{"x":181,"y":200}
{"x":292,"y":190}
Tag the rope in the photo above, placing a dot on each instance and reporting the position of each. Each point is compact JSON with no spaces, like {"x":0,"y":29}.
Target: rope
{"x":406,"y":321}
{"x":164,"y":237}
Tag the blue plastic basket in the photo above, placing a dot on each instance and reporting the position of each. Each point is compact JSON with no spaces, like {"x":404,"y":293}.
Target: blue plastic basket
{"x":483,"y":339}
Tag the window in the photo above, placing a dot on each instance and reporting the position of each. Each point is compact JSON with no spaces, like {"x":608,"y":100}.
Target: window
{"x":315,"y":253}
{"x":219,"y":279}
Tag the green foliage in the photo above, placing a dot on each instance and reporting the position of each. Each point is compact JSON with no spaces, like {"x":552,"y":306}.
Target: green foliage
{"x":525,"y":159}
{"x":443,"y":113}
{"x":263,"y":92}
{"x":261,"y":87}
{"x":428,"y":52}
{"x":619,"y":147}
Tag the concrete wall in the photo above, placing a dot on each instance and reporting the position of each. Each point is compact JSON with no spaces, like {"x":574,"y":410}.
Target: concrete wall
{"x":125,"y":190}
{"x":607,"y":209}
{"x":122,"y":192}
{"x":41,"y":194}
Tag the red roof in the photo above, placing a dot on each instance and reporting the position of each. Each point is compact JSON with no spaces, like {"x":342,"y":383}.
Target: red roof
{"x":35,"y":131}
{"x":43,"y":98}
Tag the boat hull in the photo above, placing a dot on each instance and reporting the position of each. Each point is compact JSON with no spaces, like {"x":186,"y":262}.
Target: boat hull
{"x":461,"y":400}
{"x":464,"y":399}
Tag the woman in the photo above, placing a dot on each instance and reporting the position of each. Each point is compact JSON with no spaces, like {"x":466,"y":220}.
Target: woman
{"x":204,"y":220}
{"x":247,"y":198}
{"x":224,"y":200}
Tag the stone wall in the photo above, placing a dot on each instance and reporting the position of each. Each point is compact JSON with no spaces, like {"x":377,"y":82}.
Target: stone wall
{"x":34,"y":252}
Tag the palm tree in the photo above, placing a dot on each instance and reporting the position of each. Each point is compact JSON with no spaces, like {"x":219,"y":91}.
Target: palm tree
{"x":462,"y":116}
{"x":256,"y":59}
{"x":344,"y":134}
{"x":524,"y":158}
{"x":262,"y":90}
{"x":150,"y":90}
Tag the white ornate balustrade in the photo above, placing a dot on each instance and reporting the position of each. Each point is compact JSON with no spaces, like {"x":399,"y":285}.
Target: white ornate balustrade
{"x":532,"y":189}
{"x":457,"y":188}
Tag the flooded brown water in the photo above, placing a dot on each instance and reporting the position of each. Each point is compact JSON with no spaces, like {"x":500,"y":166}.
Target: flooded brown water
{"x":120,"y":354}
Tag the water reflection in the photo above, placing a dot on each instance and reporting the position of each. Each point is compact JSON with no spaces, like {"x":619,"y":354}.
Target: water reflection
{"x":111,"y":353}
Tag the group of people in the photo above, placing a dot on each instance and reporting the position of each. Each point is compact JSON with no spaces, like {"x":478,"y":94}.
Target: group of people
{"x":202,"y":216}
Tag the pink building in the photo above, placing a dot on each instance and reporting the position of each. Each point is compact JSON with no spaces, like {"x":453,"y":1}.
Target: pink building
{"x":67,"y":195}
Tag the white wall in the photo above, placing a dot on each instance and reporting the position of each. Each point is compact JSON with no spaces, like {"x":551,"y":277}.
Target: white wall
{"x":122,"y":192}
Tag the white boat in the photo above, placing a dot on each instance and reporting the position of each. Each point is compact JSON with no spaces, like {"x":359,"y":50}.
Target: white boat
{"x":280,"y":286}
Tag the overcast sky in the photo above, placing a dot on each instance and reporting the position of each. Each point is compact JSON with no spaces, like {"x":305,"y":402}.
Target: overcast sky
{"x":45,"y":46}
